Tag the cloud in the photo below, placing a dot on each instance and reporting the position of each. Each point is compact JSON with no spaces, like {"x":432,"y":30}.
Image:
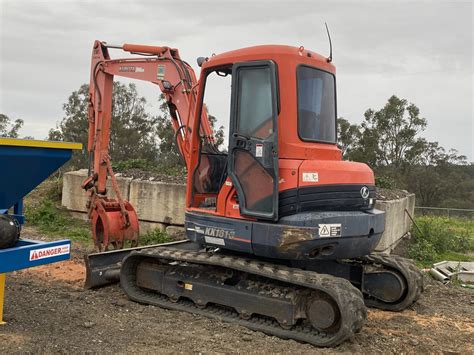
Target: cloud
{"x":421,"y":51}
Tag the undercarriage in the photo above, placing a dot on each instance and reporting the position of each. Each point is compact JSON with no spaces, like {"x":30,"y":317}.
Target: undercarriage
{"x":303,"y":302}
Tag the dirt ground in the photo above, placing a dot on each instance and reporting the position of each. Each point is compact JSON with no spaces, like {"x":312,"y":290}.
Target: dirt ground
{"x":47,"y":310}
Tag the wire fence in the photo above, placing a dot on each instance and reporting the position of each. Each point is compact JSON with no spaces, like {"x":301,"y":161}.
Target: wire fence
{"x":446,"y":212}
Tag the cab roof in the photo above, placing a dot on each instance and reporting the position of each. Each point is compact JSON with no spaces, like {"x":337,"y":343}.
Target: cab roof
{"x":270,"y":52}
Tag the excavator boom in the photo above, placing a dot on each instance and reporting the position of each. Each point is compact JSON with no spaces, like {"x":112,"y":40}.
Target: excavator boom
{"x":114,"y":220}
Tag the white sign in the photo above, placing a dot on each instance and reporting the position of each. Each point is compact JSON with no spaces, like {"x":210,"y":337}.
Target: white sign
{"x":310,"y":177}
{"x":329,"y":230}
{"x":49,"y":252}
{"x":212,"y":240}
{"x":259,"y":150}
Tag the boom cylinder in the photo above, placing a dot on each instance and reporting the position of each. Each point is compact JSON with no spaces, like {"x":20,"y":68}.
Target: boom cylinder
{"x":140,"y":48}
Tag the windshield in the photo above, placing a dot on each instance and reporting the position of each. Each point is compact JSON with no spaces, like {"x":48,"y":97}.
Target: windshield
{"x":316,"y":105}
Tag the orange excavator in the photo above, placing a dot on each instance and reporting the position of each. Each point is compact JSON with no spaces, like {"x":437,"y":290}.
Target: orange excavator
{"x":280,"y":230}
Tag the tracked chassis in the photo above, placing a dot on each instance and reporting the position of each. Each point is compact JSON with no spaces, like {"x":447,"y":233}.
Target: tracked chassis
{"x":289,"y":301}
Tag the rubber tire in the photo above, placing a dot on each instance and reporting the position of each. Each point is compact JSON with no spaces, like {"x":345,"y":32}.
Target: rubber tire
{"x":9,"y":231}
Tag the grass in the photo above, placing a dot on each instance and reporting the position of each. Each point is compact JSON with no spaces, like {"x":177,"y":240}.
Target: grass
{"x":57,"y":222}
{"x":441,"y":238}
{"x":155,"y":236}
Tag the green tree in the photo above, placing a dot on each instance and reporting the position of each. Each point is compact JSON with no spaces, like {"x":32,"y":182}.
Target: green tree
{"x":347,"y":136}
{"x":8,"y":128}
{"x":218,"y":132}
{"x":132,"y":133}
{"x":389,"y":136}
{"x":388,"y":140}
{"x":438,"y":177}
{"x":168,"y":151}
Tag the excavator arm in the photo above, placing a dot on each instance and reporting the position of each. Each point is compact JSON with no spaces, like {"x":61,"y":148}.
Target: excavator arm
{"x":114,"y":220}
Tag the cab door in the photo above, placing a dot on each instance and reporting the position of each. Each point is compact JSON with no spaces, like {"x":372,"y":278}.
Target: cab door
{"x":253,"y":139}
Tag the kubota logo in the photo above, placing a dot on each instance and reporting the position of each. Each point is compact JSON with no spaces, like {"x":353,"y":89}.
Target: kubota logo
{"x":131,"y":69}
{"x":364,"y":192}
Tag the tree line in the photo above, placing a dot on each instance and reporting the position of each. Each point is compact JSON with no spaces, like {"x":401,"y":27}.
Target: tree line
{"x":388,"y":140}
{"x":136,"y":136}
{"x":10,"y":128}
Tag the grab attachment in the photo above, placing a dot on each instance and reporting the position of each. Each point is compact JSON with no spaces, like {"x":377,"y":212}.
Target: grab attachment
{"x":114,"y":221}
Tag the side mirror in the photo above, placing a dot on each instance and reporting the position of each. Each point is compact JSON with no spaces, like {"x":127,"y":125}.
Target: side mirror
{"x":201,"y":60}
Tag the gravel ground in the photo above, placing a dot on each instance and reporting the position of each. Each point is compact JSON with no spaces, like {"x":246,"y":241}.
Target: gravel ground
{"x":390,"y":194}
{"x":47,"y":310}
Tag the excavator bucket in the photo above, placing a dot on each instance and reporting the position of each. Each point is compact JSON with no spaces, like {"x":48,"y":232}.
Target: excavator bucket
{"x":111,"y":226}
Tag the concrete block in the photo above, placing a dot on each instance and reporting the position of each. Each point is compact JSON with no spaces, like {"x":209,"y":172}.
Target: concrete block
{"x":158,"y":201}
{"x":74,"y":197}
{"x":397,"y":222}
{"x":146,"y":226}
{"x":79,"y":215}
{"x":176,"y":232}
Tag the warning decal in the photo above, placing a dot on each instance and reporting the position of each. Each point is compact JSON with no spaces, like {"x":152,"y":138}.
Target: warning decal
{"x":160,"y":75}
{"x":49,"y":252}
{"x":330,"y":230}
{"x":310,"y":177}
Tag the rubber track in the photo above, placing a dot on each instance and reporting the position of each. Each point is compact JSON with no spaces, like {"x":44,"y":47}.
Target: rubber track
{"x":411,"y":273}
{"x":348,"y":298}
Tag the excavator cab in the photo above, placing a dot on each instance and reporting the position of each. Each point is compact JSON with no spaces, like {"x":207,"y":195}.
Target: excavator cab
{"x":285,"y":191}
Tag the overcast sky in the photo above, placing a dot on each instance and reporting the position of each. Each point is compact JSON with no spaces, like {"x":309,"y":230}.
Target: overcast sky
{"x":421,"y":51}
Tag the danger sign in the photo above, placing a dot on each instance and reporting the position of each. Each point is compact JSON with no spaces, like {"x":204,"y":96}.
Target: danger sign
{"x":49,"y":252}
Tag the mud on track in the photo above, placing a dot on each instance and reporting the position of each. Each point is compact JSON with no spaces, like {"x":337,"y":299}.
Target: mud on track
{"x":47,"y":311}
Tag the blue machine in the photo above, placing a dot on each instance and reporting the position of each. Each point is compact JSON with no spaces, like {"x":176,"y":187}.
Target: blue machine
{"x":24,"y":165}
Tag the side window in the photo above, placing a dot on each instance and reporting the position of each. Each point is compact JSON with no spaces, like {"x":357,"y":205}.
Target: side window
{"x":255,"y":116}
{"x":211,"y":171}
{"x":217,"y":103}
{"x":316,"y":105}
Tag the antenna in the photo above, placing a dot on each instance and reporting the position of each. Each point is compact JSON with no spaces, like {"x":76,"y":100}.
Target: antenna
{"x":329,"y":59}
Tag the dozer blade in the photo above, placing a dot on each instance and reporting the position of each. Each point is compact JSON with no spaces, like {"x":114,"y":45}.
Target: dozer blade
{"x":104,"y":268}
